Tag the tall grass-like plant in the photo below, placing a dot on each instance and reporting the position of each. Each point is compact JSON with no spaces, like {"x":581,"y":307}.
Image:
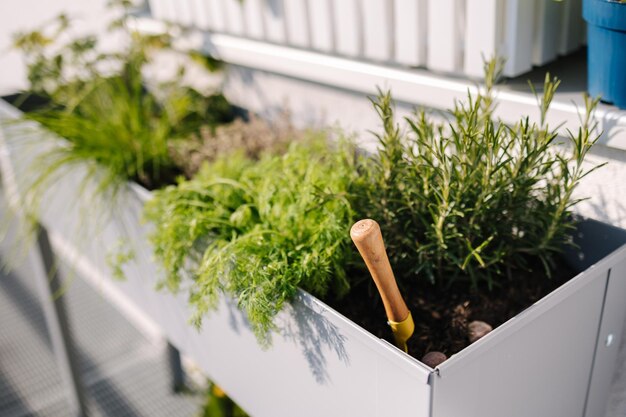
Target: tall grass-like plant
{"x":474,"y":199}
{"x":257,"y":231}
{"x":112,"y":124}
{"x":100,"y":104}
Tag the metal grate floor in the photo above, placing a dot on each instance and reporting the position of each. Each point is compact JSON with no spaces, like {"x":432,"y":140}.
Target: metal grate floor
{"x":125,"y":374}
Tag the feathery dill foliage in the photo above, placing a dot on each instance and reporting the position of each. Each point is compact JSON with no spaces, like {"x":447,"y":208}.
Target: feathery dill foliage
{"x":99,"y":103}
{"x":474,"y":199}
{"x":258,"y":231}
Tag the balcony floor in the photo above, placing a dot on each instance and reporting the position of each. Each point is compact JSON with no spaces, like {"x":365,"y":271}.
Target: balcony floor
{"x":125,"y":374}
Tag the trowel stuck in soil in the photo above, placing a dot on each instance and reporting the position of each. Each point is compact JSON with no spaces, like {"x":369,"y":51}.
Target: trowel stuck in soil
{"x":448,"y":320}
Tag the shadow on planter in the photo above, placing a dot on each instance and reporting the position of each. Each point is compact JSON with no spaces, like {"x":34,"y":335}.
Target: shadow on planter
{"x":594,"y":240}
{"x":307,"y":329}
{"x":312,"y":332}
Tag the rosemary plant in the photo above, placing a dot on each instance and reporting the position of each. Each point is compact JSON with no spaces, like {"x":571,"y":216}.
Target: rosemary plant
{"x":474,"y":199}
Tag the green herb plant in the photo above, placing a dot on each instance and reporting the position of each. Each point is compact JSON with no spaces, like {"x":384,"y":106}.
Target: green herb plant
{"x":258,"y":231}
{"x":99,"y":102}
{"x":117,"y":125}
{"x":473,"y":199}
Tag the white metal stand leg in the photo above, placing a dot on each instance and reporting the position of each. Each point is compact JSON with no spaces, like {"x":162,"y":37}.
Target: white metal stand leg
{"x":49,"y":282}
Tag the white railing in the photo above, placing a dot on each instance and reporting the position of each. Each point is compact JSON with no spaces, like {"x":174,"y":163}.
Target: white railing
{"x":449,"y":36}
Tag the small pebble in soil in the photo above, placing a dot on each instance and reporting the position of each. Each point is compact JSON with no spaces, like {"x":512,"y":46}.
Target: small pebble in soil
{"x":477,"y":329}
{"x":434,"y":358}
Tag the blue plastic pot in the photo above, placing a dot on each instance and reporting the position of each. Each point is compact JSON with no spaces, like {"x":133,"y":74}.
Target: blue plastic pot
{"x":606,"y":39}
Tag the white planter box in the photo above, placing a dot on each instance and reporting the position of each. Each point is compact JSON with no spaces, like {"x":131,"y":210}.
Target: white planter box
{"x":550,"y":360}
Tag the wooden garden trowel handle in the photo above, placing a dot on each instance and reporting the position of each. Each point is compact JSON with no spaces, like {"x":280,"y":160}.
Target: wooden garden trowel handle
{"x":368,"y":239}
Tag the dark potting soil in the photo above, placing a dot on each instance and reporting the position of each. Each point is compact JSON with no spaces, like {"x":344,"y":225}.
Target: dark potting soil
{"x":441,"y":315}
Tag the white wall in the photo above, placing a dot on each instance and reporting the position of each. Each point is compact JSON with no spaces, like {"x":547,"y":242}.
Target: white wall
{"x":91,"y":16}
